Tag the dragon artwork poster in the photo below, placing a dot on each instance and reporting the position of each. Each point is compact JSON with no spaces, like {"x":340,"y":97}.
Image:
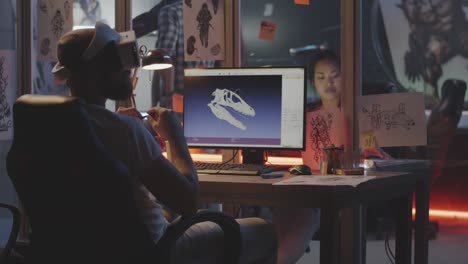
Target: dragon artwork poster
{"x":7,"y":92}
{"x":428,"y":41}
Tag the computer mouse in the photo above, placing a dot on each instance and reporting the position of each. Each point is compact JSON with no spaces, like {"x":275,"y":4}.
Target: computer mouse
{"x":300,"y":169}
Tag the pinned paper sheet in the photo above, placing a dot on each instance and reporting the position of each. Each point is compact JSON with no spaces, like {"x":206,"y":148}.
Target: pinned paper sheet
{"x":204,"y":30}
{"x":268,"y":11}
{"x":267,"y":30}
{"x":178,"y":103}
{"x":7,"y":92}
{"x":369,"y":140}
{"x":302,"y":2}
{"x":396,"y":119}
{"x":54,"y":18}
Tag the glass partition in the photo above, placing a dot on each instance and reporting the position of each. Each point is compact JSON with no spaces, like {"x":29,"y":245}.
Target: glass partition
{"x":421,"y":47}
{"x":282,"y":33}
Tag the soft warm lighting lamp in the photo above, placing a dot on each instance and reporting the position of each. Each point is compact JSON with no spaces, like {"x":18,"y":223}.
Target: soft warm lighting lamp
{"x":156,"y":59}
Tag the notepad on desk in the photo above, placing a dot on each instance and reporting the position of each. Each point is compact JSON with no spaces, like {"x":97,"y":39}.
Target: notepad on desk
{"x":326,"y":180}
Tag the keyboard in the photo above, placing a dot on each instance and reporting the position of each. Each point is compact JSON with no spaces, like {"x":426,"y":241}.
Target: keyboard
{"x":240,"y":169}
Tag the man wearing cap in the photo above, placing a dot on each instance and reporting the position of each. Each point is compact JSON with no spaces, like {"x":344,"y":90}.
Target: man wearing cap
{"x":96,"y":71}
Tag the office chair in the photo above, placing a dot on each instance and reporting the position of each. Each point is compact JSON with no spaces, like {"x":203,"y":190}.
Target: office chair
{"x":78,"y":197}
{"x":6,"y":250}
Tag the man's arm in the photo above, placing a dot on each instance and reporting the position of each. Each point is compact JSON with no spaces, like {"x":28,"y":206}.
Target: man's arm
{"x":176,"y":183}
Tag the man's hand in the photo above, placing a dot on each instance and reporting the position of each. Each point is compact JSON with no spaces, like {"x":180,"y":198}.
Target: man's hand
{"x":165,"y":122}
{"x":129,"y":111}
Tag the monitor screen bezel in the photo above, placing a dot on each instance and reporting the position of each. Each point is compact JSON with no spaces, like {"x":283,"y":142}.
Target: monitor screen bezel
{"x":304,"y":103}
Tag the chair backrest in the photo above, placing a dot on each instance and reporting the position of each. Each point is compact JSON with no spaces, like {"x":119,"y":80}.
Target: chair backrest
{"x":78,"y":198}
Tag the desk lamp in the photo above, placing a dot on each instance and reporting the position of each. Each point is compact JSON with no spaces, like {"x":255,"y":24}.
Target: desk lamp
{"x":155,"y":59}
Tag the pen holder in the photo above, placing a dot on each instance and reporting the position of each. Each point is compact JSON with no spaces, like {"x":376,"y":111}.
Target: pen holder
{"x":333,"y":157}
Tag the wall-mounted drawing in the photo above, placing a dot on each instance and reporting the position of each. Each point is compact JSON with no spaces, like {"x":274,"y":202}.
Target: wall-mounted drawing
{"x":7,"y":92}
{"x":428,"y":43}
{"x":389,"y":118}
{"x":396,"y":119}
{"x":204,"y":20}
{"x":54,"y":18}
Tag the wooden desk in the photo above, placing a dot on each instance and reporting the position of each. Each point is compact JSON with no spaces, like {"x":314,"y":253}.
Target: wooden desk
{"x":397,"y":186}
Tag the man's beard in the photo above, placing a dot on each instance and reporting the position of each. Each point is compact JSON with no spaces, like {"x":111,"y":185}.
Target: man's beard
{"x":117,"y":90}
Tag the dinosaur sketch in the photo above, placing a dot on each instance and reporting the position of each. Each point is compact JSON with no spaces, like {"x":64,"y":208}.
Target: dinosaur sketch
{"x":5,"y":113}
{"x":389,"y":118}
{"x":225,"y":101}
{"x":203,"y":18}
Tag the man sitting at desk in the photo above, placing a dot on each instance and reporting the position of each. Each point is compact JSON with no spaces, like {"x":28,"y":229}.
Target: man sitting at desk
{"x":96,"y":74}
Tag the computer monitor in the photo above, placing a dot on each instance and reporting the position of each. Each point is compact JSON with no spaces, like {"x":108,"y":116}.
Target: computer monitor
{"x":245,"y":108}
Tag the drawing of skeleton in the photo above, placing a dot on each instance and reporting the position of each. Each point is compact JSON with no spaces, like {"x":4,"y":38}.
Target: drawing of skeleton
{"x":5,"y":114}
{"x":203,"y":18}
{"x":389,"y":118}
{"x":225,"y":100}
{"x":320,"y":134}
{"x":57,"y":23}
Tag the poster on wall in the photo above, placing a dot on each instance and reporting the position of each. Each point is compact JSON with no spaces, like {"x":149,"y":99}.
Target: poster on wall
{"x":428,"y":43}
{"x":204,"y":30}
{"x":54,"y":18}
{"x":396,"y":119}
{"x":7,"y":93}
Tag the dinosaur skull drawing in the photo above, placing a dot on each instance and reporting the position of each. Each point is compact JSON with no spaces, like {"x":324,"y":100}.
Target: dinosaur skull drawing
{"x":225,"y":101}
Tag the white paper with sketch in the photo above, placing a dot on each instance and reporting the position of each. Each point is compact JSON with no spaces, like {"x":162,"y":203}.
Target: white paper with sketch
{"x":204,"y":30}
{"x":326,"y":180}
{"x":322,"y":127}
{"x":396,"y":119}
{"x":7,"y":92}
{"x":54,"y":18}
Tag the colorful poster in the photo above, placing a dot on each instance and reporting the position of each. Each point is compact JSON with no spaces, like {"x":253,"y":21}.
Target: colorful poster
{"x":7,"y":93}
{"x":396,"y":119}
{"x":204,"y":30}
{"x":322,"y":127}
{"x":54,"y":18}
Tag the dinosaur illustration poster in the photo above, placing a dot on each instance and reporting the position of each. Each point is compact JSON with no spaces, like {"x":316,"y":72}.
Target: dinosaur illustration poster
{"x":54,"y":18}
{"x":204,"y":30}
{"x":428,"y":43}
{"x":396,"y":119}
{"x":7,"y":93}
{"x":322,"y":127}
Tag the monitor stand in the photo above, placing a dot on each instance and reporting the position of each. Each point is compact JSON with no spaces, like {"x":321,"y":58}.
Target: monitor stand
{"x":253,"y":156}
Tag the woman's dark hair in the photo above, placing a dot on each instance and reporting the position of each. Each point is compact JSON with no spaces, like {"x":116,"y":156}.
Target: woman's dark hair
{"x":323,"y":54}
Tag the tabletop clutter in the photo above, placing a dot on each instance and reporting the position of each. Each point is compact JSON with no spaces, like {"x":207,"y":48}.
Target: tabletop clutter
{"x":340,"y":162}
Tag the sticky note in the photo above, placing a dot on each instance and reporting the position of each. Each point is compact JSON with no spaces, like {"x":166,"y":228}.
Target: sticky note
{"x":302,"y":2}
{"x":268,"y":11}
{"x":267,"y":30}
{"x":369,"y":139}
{"x":178,"y":103}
